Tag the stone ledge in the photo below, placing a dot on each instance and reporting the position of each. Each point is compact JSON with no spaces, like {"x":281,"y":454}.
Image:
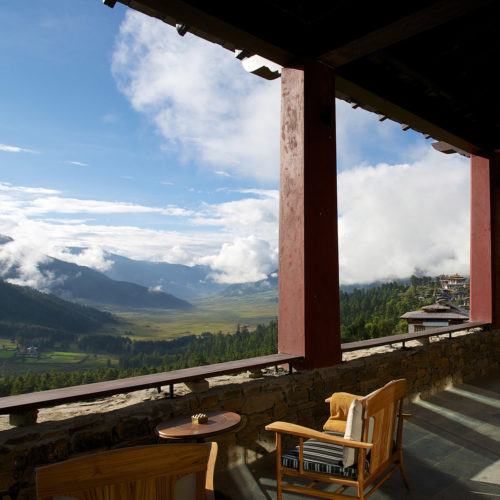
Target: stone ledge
{"x":127,"y":420}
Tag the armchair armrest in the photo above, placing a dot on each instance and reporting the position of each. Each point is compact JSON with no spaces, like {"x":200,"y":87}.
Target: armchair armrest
{"x":305,"y":432}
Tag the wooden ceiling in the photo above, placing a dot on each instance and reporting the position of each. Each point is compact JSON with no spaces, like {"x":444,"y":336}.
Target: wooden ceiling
{"x":428,"y":65}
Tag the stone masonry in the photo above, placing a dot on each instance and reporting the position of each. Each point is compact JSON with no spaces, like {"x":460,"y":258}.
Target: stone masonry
{"x":297,"y":398}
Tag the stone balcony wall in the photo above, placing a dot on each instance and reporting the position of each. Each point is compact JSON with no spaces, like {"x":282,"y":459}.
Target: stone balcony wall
{"x":295,"y":398}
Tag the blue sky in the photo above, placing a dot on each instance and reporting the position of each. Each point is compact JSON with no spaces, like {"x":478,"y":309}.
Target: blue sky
{"x":118,"y":135}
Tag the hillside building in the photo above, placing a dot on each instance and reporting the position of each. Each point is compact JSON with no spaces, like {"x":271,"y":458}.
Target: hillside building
{"x":435,"y":316}
{"x":453,"y":282}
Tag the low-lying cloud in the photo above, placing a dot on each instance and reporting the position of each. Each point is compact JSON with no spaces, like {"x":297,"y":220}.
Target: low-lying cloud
{"x":393,"y":220}
{"x":244,"y":260}
{"x":238,"y":239}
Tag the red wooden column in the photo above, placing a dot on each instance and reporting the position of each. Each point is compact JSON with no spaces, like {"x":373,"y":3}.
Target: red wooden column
{"x":485,"y":240}
{"x":309,"y":323}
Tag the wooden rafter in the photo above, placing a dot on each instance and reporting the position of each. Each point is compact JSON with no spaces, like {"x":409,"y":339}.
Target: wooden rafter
{"x":404,"y":28}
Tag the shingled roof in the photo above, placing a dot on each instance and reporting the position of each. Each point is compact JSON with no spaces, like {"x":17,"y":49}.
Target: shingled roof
{"x":438,"y":311}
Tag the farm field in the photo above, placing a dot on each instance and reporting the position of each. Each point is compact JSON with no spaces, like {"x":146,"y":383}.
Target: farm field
{"x":10,"y":364}
{"x":212,"y":314}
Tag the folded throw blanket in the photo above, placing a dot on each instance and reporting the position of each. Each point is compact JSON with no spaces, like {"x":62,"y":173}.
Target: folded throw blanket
{"x":339,"y":408}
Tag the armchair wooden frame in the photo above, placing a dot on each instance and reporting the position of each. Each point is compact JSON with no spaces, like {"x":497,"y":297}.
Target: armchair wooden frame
{"x":139,"y":472}
{"x":385,"y":407}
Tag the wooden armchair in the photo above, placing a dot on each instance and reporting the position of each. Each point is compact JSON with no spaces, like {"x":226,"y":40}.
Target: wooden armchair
{"x":173,"y":471}
{"x":366,"y":459}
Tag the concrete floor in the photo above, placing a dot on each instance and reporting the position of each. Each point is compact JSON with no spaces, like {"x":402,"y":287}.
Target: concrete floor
{"x":451,"y":451}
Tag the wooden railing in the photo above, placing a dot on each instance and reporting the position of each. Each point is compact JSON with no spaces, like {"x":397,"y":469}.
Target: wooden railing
{"x":406,"y":337}
{"x":22,"y":404}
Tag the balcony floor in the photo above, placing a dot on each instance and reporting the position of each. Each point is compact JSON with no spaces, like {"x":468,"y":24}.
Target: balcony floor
{"x":451,"y":451}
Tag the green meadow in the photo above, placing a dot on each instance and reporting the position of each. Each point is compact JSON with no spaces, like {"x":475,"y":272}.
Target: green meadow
{"x":53,"y":361}
{"x":212,"y":314}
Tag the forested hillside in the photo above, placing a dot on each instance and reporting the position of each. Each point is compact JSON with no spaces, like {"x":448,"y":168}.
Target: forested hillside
{"x":374,"y":312}
{"x":26,"y":307}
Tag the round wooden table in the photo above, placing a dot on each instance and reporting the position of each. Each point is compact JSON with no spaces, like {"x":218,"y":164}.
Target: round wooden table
{"x":183,"y":429}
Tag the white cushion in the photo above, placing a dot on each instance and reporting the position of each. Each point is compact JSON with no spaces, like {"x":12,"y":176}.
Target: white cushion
{"x":353,"y":431}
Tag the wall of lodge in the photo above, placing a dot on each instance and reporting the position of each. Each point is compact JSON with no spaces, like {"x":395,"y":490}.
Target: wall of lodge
{"x":295,"y":398}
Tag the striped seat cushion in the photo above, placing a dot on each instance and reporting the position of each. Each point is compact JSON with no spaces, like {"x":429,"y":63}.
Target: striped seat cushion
{"x":321,"y":457}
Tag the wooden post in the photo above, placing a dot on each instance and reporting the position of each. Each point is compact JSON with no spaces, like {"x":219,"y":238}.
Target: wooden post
{"x":485,"y":240}
{"x":309,"y":322}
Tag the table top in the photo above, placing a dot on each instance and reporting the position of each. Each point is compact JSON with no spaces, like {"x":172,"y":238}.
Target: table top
{"x":183,"y":428}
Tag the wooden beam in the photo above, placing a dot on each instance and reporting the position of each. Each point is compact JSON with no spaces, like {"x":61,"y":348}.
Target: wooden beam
{"x":448,"y":149}
{"x":407,"y":27}
{"x":209,"y":27}
{"x":348,"y":91}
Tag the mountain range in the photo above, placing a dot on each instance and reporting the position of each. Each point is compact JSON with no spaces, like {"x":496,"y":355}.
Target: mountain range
{"x":133,"y":283}
{"x":185,"y":282}
{"x":82,"y":284}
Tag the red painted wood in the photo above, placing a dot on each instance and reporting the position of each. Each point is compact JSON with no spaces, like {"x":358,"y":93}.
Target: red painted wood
{"x":481,"y":239}
{"x":309,"y":320}
{"x":291,"y":305}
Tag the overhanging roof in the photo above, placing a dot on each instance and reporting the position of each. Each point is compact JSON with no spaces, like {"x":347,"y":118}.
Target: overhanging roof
{"x":427,"y":64}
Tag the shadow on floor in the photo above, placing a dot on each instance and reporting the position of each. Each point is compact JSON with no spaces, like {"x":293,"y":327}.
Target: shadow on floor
{"x":451,"y":451}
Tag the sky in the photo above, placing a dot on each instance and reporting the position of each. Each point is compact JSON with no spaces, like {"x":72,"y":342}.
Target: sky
{"x":117,"y":135}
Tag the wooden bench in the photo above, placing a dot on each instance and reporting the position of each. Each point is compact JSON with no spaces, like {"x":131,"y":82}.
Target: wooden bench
{"x":23,"y":407}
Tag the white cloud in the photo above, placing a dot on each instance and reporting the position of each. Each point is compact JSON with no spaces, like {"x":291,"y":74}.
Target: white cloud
{"x":245,"y":217}
{"x":200,"y":98}
{"x":24,"y":259}
{"x":243,"y":260}
{"x":7,"y":187}
{"x":250,"y":251}
{"x":177,"y":211}
{"x":14,"y":149}
{"x":393,"y":219}
{"x":94,"y":257}
{"x":213,"y":234}
{"x":77,"y":163}
{"x":57,"y":204}
{"x":397,"y":218}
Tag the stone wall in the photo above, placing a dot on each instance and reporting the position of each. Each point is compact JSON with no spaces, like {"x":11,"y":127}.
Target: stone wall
{"x":295,"y":398}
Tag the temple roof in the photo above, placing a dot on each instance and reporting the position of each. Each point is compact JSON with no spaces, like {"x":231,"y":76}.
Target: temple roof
{"x":438,"y":311}
{"x":428,"y":64}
